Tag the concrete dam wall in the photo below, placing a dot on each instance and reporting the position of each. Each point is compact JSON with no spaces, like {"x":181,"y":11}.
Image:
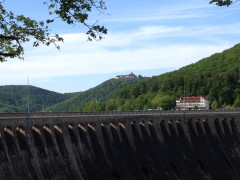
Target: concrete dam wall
{"x":131,"y":145}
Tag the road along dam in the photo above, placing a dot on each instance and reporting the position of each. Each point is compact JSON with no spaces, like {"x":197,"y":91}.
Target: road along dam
{"x":191,"y":145}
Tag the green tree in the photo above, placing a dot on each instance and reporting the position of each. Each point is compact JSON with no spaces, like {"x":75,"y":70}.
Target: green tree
{"x":165,"y":102}
{"x":94,"y":106}
{"x":216,"y":77}
{"x":195,"y":107}
{"x":237,"y":102}
{"x":138,"y":103}
{"x":119,"y":102}
{"x":222,"y":2}
{"x":100,"y":106}
{"x":90,"y":107}
{"x":18,"y":29}
{"x":128,"y":105}
{"x":140,"y":76}
{"x":214,"y":104}
{"x":135,"y":91}
{"x":110,"y":106}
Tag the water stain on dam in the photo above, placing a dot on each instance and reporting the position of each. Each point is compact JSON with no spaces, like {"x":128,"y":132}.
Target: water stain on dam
{"x":120,"y":146}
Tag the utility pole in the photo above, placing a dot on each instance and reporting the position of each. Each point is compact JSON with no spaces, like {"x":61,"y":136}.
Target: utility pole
{"x":28,"y":107}
{"x":185,"y":121}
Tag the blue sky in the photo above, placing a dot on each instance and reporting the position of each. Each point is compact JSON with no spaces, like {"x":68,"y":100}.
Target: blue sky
{"x":145,"y":37}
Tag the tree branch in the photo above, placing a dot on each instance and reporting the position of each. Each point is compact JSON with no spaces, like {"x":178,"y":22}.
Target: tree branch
{"x":8,"y":37}
{"x":8,"y":54}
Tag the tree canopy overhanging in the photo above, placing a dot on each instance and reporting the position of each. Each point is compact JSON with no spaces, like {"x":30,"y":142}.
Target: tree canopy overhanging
{"x":18,"y":29}
{"x":222,"y":2}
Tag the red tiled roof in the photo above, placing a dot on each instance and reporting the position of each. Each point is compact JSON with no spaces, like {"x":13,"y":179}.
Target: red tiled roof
{"x":192,"y":99}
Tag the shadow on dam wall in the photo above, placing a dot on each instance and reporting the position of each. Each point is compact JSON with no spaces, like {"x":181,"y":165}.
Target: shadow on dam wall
{"x":130,"y":146}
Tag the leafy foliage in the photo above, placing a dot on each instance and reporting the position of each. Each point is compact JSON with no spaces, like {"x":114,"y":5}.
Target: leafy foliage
{"x":217,"y":77}
{"x":222,"y":2}
{"x":94,"y":106}
{"x":15,"y":98}
{"x":18,"y":29}
{"x":100,"y":93}
{"x":77,"y":11}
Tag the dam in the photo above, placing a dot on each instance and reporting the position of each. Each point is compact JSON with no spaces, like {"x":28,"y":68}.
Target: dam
{"x":144,"y":145}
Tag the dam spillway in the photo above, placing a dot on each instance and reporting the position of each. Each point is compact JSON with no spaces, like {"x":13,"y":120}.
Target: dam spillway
{"x":145,"y":145}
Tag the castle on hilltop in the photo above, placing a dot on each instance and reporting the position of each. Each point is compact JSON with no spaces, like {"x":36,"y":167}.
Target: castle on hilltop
{"x":129,"y":76}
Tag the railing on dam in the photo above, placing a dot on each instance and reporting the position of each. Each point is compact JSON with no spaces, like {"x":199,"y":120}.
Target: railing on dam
{"x":151,"y":112}
{"x":121,"y":145}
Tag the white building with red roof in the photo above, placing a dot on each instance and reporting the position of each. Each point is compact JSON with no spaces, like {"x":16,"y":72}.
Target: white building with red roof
{"x":201,"y":102}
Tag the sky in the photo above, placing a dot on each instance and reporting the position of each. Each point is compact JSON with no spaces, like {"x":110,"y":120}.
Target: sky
{"x":147,"y":38}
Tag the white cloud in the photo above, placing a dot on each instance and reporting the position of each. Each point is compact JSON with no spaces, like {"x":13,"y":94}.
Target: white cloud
{"x":105,"y":61}
{"x":174,"y":11}
{"x":144,"y":35}
{"x":121,"y":51}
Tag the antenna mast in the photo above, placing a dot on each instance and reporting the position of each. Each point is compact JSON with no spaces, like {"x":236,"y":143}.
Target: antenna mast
{"x":184,"y":106}
{"x":28,"y":107}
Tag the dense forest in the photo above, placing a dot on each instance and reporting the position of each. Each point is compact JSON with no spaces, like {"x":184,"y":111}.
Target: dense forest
{"x":217,"y":77}
{"x":93,"y":99}
{"x":15,"y":98}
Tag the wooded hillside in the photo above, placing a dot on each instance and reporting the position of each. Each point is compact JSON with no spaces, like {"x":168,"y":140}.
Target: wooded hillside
{"x":15,"y":98}
{"x":95,"y":97}
{"x":217,"y":77}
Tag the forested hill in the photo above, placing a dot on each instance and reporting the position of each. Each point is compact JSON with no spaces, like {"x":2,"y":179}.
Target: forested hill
{"x":217,"y":77}
{"x":98,"y":95}
{"x":14,"y":98}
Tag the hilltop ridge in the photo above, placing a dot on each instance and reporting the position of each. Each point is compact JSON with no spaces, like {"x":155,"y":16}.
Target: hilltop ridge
{"x":14,"y":98}
{"x":217,"y":77}
{"x":100,"y":93}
